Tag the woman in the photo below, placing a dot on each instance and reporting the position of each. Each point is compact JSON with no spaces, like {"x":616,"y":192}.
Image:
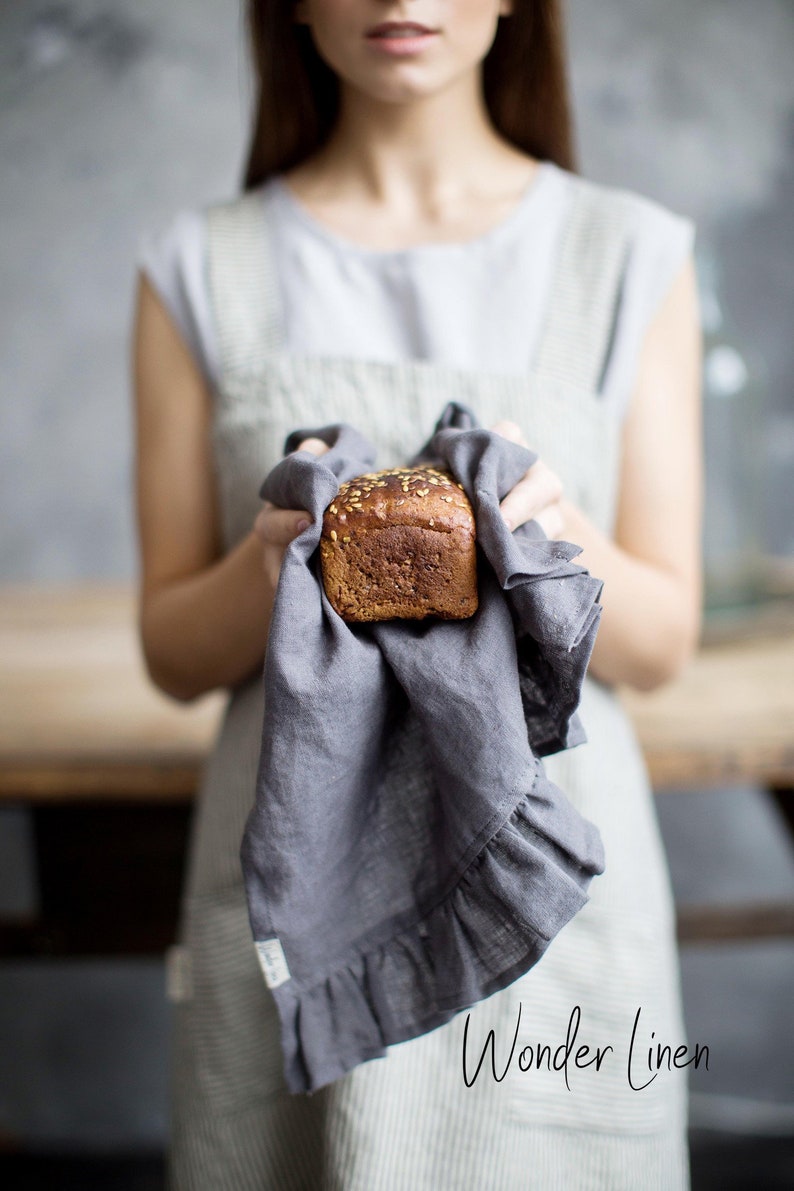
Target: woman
{"x":412,"y":230}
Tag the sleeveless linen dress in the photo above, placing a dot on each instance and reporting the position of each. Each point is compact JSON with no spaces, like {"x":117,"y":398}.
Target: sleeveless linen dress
{"x":408,"y":1121}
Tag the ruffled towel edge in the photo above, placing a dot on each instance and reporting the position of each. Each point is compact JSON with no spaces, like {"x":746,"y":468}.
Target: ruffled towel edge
{"x":441,"y":949}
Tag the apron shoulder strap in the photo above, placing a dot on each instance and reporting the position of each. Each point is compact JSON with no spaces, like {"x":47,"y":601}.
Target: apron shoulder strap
{"x":242,"y":281}
{"x":586,"y":285}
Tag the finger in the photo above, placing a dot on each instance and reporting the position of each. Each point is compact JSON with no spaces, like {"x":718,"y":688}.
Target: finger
{"x":532,"y":493}
{"x":539,"y":487}
{"x":315,"y":445}
{"x":277,"y":527}
{"x":272,"y":557}
{"x":551,"y":522}
{"x":510,"y":430}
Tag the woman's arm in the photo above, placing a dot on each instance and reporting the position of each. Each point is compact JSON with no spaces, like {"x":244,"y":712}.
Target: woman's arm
{"x":203,"y":618}
{"x":651,"y":619}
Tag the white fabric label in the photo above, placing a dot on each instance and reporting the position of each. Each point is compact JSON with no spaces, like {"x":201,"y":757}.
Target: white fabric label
{"x":178,"y":974}
{"x":272,"y":962}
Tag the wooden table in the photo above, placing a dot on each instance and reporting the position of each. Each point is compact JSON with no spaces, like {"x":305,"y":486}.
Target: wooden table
{"x":108,"y":766}
{"x":728,"y":721}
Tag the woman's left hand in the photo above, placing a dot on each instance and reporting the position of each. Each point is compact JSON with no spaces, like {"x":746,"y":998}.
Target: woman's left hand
{"x":538,"y":494}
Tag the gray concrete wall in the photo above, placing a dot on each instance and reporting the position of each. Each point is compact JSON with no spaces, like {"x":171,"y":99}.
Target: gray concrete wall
{"x":692,"y":102}
{"x":113,"y":116}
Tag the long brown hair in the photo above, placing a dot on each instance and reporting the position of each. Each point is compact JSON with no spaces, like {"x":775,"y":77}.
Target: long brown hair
{"x":525,"y":86}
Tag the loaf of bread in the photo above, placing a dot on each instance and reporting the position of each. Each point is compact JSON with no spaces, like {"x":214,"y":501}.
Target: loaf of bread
{"x":400,"y":543}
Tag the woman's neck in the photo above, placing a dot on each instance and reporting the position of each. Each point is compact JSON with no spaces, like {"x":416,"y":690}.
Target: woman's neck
{"x":393,"y":173}
{"x":428,"y":148}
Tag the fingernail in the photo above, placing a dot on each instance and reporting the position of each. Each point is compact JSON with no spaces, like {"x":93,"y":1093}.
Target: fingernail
{"x":508,"y":523}
{"x":303,"y":524}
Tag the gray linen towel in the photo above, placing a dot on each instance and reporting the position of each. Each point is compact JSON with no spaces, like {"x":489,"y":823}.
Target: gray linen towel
{"x":406,"y":855}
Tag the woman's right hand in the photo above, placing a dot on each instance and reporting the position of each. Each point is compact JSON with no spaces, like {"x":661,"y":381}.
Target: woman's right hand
{"x":277,"y":527}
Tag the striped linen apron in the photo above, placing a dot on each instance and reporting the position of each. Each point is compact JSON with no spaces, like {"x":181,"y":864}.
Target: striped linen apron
{"x":410,"y":1120}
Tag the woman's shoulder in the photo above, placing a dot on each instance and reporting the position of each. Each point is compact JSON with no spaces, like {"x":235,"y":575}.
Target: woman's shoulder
{"x":172,"y":236}
{"x":645,"y":220}
{"x":181,"y":236}
{"x":658,"y":239}
{"x":171,"y":255}
{"x":648,"y":242}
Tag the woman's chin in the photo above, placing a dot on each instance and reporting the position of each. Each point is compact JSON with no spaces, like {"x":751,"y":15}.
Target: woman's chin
{"x":400,"y":81}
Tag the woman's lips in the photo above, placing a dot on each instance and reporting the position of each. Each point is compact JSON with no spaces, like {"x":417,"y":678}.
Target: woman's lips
{"x":398,"y":40}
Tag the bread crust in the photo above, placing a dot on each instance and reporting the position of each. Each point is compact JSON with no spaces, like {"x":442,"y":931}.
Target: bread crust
{"x":400,"y":543}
